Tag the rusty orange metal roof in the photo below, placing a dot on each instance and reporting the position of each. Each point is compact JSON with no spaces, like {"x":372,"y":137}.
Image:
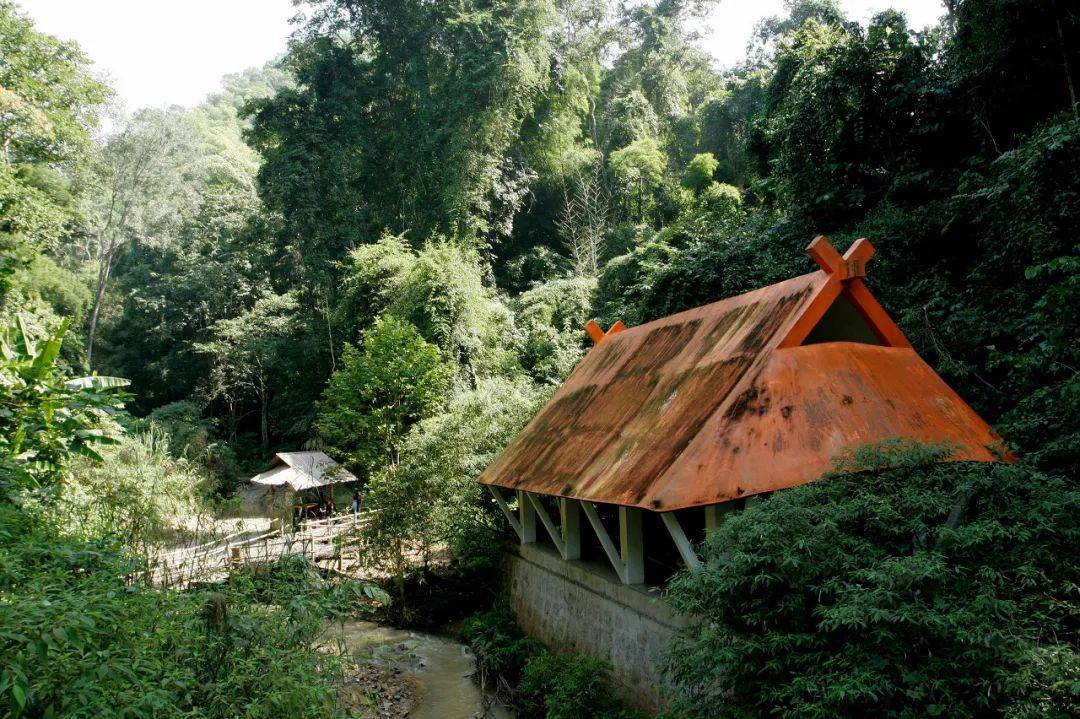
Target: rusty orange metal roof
{"x":726,"y":400}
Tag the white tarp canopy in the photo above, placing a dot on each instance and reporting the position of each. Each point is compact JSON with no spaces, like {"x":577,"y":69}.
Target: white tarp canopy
{"x":303,"y":470}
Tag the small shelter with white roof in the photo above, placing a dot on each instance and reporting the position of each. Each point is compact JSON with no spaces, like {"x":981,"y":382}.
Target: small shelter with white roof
{"x":293,"y":473}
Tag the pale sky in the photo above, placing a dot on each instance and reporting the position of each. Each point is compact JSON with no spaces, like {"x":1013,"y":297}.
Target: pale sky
{"x":162,"y":52}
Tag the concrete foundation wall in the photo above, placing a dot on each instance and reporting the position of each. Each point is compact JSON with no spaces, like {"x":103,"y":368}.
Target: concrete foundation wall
{"x":582,"y":607}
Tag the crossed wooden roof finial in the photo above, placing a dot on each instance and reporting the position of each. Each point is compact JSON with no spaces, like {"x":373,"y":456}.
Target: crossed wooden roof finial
{"x":598,"y":335}
{"x":850,"y":266}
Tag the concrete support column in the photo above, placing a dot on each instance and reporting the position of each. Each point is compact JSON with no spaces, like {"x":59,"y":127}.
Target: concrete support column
{"x":631,"y":545}
{"x":715,"y":514}
{"x":527,"y":518}
{"x":570,"y":522}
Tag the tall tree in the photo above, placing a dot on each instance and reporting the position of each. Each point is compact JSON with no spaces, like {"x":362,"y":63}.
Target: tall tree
{"x":248,"y":355}
{"x":137,"y":191}
{"x":49,"y":100}
{"x":49,"y":104}
{"x":401,"y":121}
{"x":383,"y":388}
{"x":202,"y":253}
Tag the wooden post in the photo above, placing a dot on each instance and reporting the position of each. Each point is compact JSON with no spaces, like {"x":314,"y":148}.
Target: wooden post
{"x":631,"y":545}
{"x":570,"y":522}
{"x":527,"y":519}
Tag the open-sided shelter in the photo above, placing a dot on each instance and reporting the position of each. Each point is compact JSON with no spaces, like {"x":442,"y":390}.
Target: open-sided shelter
{"x":710,"y":407}
{"x":293,"y":473}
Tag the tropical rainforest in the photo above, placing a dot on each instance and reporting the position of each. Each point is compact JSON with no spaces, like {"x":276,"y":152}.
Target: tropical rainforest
{"x":385,"y":245}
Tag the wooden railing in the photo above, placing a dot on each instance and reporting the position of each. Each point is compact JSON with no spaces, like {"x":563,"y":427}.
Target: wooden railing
{"x":181,"y":566}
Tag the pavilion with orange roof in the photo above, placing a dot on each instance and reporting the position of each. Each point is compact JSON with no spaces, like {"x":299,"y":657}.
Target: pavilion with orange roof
{"x":681,"y":419}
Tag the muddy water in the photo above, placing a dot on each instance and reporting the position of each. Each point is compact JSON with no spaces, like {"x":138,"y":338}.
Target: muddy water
{"x":442,"y":669}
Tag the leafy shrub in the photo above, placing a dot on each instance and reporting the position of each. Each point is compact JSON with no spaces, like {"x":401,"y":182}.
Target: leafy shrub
{"x":430,"y":499}
{"x":381,"y":389}
{"x":536,"y":266}
{"x":190,"y":436}
{"x":558,"y":686}
{"x":437,"y":289}
{"x":550,"y":317}
{"x":699,"y":173}
{"x":79,"y":640}
{"x":48,"y":417}
{"x":904,"y":587}
{"x":627,"y":281}
{"x":500,"y":645}
{"x":306,"y":591}
{"x":554,"y":686}
{"x":135,"y":495}
{"x":721,"y":199}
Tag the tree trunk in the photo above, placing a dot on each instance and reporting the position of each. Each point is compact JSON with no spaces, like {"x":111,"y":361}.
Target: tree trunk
{"x":329,"y":332}
{"x":232,"y":421}
{"x":1065,"y":61}
{"x":264,"y":428}
{"x":99,"y":297}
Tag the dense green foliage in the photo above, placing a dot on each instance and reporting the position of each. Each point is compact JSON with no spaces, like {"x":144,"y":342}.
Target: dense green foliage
{"x":407,"y":109}
{"x":48,"y":108}
{"x":47,"y":417}
{"x":542,"y":684}
{"x":394,"y":381}
{"x":79,"y":640}
{"x":385,"y":245}
{"x":134,"y":495}
{"x":900,"y":588}
{"x":429,"y":501}
{"x":79,"y":632}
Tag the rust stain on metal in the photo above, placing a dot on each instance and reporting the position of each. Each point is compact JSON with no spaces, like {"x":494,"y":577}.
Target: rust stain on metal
{"x":712,"y":404}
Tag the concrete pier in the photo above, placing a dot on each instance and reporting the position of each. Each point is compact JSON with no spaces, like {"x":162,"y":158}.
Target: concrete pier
{"x":576,"y":606}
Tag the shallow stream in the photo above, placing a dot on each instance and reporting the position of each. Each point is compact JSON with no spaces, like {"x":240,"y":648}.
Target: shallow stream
{"x":441,"y":669}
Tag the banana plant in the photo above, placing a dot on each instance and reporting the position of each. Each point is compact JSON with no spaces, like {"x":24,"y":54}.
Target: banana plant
{"x":46,"y":416}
